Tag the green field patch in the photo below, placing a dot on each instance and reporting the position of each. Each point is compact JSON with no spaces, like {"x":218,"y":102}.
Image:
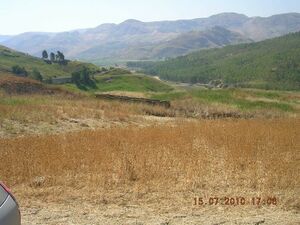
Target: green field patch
{"x":129,"y":82}
{"x":170,"y":96}
{"x":237,"y":98}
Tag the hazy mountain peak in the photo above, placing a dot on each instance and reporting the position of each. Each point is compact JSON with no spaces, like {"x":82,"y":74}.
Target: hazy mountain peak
{"x":229,"y":14}
{"x":131,"y":21}
{"x":106,"y":25}
{"x":132,"y":27}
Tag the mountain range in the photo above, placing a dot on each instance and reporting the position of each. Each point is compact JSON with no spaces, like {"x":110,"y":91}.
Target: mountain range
{"x":136,"y":40}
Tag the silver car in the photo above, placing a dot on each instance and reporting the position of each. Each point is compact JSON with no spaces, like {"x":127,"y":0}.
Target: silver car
{"x":9,"y":208}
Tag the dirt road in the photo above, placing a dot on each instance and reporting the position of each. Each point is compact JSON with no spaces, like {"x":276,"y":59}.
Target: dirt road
{"x":150,"y":208}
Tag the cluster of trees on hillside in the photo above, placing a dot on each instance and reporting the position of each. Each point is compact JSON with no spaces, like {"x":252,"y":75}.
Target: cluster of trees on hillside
{"x":22,"y":72}
{"x":271,"y":64}
{"x":54,"y":58}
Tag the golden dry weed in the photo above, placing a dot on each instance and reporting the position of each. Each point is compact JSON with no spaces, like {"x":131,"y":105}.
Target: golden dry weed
{"x":227,"y":155}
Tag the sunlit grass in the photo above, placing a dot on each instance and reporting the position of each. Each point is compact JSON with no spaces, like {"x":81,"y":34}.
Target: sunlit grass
{"x":241,"y":99}
{"x":235,"y":155}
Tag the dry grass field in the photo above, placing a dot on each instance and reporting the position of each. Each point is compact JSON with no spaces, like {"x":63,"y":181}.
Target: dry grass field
{"x":181,"y":154}
{"x":151,"y":174}
{"x":73,"y":159}
{"x":44,"y":114}
{"x":61,"y":111}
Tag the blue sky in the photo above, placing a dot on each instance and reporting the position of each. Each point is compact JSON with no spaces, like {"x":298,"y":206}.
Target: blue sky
{"x":17,"y":16}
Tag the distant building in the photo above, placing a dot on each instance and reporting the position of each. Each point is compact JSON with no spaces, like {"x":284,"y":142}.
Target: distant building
{"x":61,"y":80}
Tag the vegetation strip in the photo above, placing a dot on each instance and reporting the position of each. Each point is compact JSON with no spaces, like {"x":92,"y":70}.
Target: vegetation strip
{"x":134,"y":99}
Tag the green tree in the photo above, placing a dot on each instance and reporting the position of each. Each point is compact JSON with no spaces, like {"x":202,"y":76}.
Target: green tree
{"x":57,"y":57}
{"x":76,"y":78}
{"x":36,"y":75}
{"x":52,"y":57}
{"x":60,"y":57}
{"x":45,"y":55}
{"x":83,"y":77}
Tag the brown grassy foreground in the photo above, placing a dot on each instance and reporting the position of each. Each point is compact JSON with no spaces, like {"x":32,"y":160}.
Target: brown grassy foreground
{"x":219,"y":155}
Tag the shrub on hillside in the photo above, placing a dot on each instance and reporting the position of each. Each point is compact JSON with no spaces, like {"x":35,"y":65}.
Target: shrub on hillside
{"x":36,"y":75}
{"x":20,"y":71}
{"x":83,"y":77}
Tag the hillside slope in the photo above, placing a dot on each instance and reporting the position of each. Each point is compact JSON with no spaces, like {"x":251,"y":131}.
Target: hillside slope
{"x":10,"y":58}
{"x":196,"y":40}
{"x":114,"y":79}
{"x":260,"y":28}
{"x":273,"y":63}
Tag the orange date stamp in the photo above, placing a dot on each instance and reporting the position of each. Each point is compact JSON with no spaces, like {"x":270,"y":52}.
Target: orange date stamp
{"x":235,"y":201}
